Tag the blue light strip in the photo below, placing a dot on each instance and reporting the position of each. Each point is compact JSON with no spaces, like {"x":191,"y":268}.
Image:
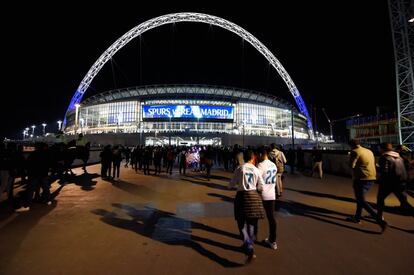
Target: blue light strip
{"x":304,"y":111}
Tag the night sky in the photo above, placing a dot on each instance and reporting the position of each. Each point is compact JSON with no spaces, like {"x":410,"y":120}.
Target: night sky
{"x":340,"y":56}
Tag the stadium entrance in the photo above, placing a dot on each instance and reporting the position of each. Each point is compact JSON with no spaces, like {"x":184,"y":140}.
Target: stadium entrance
{"x":182,"y":141}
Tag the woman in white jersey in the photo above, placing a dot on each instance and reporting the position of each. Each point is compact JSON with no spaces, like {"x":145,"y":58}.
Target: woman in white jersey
{"x":248,"y":206}
{"x":268,"y":171}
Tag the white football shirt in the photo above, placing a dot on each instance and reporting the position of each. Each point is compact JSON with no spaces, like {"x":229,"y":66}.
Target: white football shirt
{"x":247,"y":178}
{"x":268,"y":171}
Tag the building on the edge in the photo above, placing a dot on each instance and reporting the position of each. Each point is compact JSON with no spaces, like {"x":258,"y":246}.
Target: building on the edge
{"x":187,"y":115}
{"x":374,"y":130}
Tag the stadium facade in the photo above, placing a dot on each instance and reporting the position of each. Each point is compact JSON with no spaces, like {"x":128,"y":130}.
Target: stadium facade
{"x":186,"y":115}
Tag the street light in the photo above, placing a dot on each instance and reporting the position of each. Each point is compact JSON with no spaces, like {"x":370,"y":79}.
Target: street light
{"x":82,"y":124}
{"x":44,"y":128}
{"x":77,"y":105}
{"x":243,"y":124}
{"x":33,"y":127}
{"x":411,"y":20}
{"x":59,"y":124}
{"x":169,"y":134}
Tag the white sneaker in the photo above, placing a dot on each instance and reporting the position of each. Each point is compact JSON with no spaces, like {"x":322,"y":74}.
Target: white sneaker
{"x":22,"y":209}
{"x":271,"y":245}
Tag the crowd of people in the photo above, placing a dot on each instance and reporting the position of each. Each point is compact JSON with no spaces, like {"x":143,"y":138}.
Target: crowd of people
{"x":258,"y":175}
{"x":38,"y":168}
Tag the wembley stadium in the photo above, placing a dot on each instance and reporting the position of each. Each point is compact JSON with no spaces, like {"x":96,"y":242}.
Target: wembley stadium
{"x":186,"y":115}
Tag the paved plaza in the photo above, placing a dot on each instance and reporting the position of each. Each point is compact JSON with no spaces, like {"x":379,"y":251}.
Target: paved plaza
{"x":184,"y":225}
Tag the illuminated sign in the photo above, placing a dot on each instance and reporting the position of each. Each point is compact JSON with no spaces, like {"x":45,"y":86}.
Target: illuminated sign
{"x":187,"y":112}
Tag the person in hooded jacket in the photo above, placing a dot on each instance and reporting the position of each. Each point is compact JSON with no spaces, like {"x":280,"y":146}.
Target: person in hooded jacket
{"x":392,"y":178}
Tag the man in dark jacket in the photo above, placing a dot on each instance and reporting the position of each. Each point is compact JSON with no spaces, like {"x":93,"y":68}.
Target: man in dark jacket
{"x":392,"y":177}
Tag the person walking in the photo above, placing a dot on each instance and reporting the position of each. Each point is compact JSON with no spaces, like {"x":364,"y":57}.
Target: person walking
{"x":106,"y":161}
{"x":208,"y":160}
{"x":392,"y":178}
{"x":268,"y":171}
{"x":362,"y":162}
{"x":38,"y":165}
{"x":116,"y":161}
{"x":248,"y":207}
{"x":317,"y":162}
{"x":280,"y":160}
{"x":182,"y":160}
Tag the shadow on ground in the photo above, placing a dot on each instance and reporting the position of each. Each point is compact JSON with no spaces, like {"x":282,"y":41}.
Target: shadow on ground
{"x":85,"y":181}
{"x":390,"y":209}
{"x":204,"y":182}
{"x":167,"y":228}
{"x":16,"y":232}
{"x":320,"y":214}
{"x":139,"y":190}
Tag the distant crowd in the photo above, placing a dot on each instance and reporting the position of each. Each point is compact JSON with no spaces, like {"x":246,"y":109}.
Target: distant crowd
{"x":258,"y":174}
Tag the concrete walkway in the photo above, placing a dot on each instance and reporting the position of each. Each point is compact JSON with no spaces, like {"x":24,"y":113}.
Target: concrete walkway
{"x":184,"y":225}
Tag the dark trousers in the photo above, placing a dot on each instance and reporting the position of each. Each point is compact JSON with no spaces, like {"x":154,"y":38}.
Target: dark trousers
{"x":157,"y":167}
{"x":34,"y":185}
{"x":208,"y":170}
{"x":248,"y":231}
{"x":361,"y":187}
{"x":182,"y":167}
{"x":116,"y":166}
{"x":170,"y":164}
{"x":105,"y":166}
{"x":386,"y":188}
{"x":269,"y":207}
{"x":146,"y":168}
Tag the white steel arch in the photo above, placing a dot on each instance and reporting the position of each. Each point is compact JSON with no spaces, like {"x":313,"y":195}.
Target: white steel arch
{"x":188,"y":17}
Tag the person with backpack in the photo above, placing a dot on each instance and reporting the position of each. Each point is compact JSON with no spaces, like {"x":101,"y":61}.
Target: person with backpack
{"x":392,"y":178}
{"x":280,"y":160}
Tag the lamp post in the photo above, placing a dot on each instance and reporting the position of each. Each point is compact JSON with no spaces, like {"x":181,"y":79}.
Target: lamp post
{"x":198,"y":115}
{"x":243,"y":125}
{"x":140,"y":133}
{"x":59,"y":122}
{"x":82,"y":122}
{"x":76,"y":117}
{"x":44,"y":128}
{"x":24,"y":134}
{"x":33,"y":127}
{"x":169,"y":134}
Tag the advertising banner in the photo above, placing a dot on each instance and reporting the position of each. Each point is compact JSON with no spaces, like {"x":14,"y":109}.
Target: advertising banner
{"x":175,"y":112}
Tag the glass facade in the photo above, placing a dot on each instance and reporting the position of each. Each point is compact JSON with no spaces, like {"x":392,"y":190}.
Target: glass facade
{"x":126,"y":117}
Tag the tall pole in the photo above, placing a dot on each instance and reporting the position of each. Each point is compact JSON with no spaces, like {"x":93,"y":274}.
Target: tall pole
{"x":293,"y":131}
{"x":59,"y":125}
{"x":243,"y":134}
{"x":169,"y":134}
{"x":402,"y":28}
{"x":76,"y":118}
{"x":44,"y":128}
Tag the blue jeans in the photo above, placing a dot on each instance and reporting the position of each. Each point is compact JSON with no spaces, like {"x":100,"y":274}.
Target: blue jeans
{"x":361,"y":187}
